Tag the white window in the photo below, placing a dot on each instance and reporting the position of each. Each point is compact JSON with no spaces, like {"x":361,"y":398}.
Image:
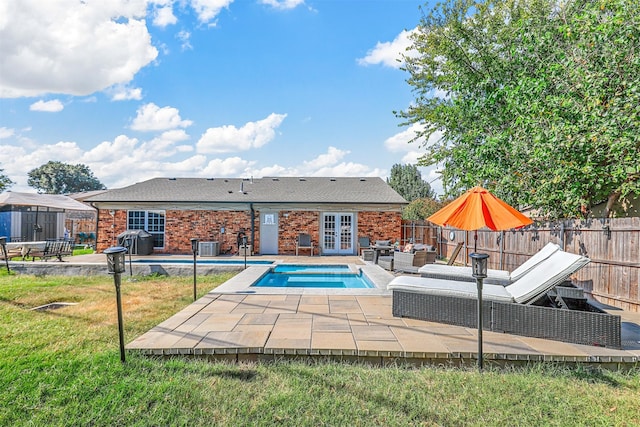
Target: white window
{"x":150,"y":221}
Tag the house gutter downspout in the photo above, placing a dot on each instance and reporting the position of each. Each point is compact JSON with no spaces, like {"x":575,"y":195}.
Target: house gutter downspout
{"x":253,"y":226}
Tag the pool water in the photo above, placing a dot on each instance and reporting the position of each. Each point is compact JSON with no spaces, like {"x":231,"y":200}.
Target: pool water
{"x":313,"y":280}
{"x":312,"y":268}
{"x":201,"y":261}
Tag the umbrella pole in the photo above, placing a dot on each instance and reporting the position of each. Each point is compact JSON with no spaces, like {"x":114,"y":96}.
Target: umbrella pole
{"x":475,"y":242}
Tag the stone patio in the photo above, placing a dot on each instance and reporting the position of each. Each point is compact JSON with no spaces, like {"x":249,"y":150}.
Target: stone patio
{"x":270,"y":324}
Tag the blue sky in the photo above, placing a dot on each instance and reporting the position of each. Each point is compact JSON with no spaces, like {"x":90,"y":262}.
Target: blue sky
{"x":138,"y":89}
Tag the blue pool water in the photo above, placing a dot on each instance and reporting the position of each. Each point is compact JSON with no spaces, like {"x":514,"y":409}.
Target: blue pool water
{"x":313,"y":280}
{"x":311,"y":268}
{"x":201,"y":261}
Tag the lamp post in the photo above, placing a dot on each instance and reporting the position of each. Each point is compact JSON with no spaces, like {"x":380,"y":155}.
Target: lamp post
{"x":244,"y":245}
{"x":127,"y":244}
{"x":479,"y":268}
{"x":3,"y":243}
{"x":194,"y":249}
{"x":116,"y":266}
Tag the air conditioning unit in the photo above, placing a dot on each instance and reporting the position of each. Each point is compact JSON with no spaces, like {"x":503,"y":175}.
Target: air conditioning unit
{"x":209,"y":248}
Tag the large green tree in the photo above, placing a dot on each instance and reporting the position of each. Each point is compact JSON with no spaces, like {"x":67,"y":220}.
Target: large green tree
{"x":420,"y":209}
{"x":62,"y":178}
{"x":407,"y":181}
{"x":5,"y":182}
{"x":538,"y":100}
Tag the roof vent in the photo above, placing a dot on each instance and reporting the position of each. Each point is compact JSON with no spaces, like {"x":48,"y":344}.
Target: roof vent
{"x":226,"y":180}
{"x":332,"y":180}
{"x":210,"y":179}
{"x":275,"y":179}
{"x":303,"y":179}
{"x":172,"y":179}
{"x":362,"y":179}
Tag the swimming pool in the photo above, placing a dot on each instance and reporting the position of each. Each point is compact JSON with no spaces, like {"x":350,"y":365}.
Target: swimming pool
{"x":293,"y":279}
{"x":201,"y":261}
{"x":311,"y":268}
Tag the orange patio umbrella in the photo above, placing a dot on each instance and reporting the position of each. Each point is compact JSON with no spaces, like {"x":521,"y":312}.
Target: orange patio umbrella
{"x":478,"y":208}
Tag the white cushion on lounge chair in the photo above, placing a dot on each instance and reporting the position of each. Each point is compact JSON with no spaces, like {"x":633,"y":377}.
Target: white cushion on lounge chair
{"x":544,"y":253}
{"x":453,"y":288}
{"x":538,"y":280}
{"x":547,"y":274}
{"x":454,"y":272}
{"x":493,"y":276}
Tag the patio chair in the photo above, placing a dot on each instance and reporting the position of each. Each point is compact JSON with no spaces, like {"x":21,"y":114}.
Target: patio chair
{"x":500,"y":277}
{"x":364,"y":248}
{"x":520,"y":308}
{"x":411,"y":262}
{"x":304,"y":242}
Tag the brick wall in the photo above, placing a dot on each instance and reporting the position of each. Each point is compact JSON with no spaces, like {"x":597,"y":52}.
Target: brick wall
{"x":380,"y":225}
{"x":181,"y":226}
{"x":291,"y":223}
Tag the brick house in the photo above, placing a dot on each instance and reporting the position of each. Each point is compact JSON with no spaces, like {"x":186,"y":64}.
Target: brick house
{"x":270,"y":211}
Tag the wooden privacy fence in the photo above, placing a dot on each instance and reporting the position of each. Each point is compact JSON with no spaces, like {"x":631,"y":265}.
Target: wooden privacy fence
{"x":613,"y":245}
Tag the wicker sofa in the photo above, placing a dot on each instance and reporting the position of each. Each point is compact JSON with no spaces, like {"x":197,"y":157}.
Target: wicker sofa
{"x":410,"y":262}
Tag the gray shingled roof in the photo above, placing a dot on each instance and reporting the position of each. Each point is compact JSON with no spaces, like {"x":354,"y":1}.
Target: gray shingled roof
{"x":370,"y":190}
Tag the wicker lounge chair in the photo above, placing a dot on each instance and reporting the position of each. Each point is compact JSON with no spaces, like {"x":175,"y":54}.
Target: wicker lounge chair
{"x":502,"y":277}
{"x":522,"y":308}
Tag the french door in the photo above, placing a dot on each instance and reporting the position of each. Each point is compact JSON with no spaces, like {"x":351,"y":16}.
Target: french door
{"x":337,"y":233}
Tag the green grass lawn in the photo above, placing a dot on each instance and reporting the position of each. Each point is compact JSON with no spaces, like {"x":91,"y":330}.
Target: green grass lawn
{"x":62,"y":367}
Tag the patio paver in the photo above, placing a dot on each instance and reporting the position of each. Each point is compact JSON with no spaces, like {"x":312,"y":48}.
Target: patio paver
{"x":308,"y":325}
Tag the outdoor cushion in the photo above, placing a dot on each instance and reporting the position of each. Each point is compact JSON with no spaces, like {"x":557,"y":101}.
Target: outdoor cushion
{"x":383,"y":242}
{"x":544,"y":253}
{"x":547,"y":274}
{"x":450,"y":288}
{"x":537,"y":281}
{"x":493,"y":276}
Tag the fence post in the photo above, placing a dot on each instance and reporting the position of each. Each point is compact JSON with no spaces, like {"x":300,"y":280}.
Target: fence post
{"x":502,"y":249}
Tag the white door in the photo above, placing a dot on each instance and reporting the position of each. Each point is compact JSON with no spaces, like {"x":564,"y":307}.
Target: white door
{"x":337,"y":233}
{"x":268,"y":233}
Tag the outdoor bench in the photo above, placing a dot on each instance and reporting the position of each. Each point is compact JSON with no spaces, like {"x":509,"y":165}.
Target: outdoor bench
{"x":53,"y":248}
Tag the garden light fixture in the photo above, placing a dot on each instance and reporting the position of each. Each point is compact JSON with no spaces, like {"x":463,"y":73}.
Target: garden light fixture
{"x":479,"y":272}
{"x":116,"y":266}
{"x":194,"y":249}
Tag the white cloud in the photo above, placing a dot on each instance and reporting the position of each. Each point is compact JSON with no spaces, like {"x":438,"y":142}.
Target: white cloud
{"x":327,"y":164}
{"x":70,"y":46}
{"x":207,"y":10}
{"x":184,"y":37}
{"x":229,"y":167}
{"x":153,"y":118}
{"x":125,"y":160}
{"x":52,"y":106}
{"x":165,"y":145}
{"x":399,"y":143}
{"x":124,"y":93}
{"x":6,"y":132}
{"x":225,"y":139}
{"x":282,"y":4}
{"x":332,"y":157}
{"x":389,"y":53}
{"x":163,"y":16}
